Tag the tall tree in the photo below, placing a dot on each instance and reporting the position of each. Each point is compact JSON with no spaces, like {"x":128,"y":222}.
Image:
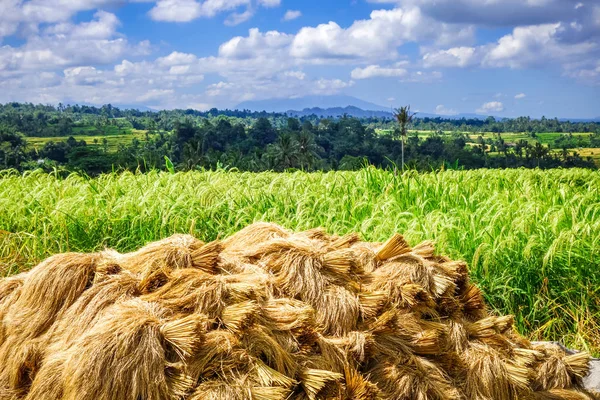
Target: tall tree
{"x":404,"y":118}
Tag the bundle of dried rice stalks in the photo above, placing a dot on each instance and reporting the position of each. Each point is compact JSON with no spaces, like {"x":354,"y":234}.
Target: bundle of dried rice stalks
{"x":267,"y":314}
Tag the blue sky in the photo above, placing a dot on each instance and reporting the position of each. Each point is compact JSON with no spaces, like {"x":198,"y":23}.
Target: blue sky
{"x":500,"y":57}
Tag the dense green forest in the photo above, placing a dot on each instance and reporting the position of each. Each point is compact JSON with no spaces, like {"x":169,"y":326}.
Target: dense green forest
{"x":48,"y":137}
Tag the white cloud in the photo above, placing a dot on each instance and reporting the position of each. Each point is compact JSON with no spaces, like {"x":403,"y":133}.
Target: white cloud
{"x":422,"y":77}
{"x":291,"y":15}
{"x":526,"y":47}
{"x":189,"y":10}
{"x":238,"y":18}
{"x":520,"y":96}
{"x":375,"y":38}
{"x":28,"y":15}
{"x":491,"y":107}
{"x":104,"y":26}
{"x":256,"y":44}
{"x":63,"y":45}
{"x":493,"y":12}
{"x":270,"y":3}
{"x":442,"y":110}
{"x":176,"y":10}
{"x":295,"y":74}
{"x":586,"y":73}
{"x":373,"y":71}
{"x":454,"y":57}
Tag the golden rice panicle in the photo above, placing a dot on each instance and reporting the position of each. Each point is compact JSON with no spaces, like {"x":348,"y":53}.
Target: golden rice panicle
{"x":341,"y":265}
{"x":357,"y":387}
{"x":269,"y":393}
{"x":261,"y":343}
{"x":206,"y":258}
{"x":337,"y":311}
{"x":191,"y":290}
{"x":457,"y":271}
{"x":287,"y":315}
{"x":253,"y":235}
{"x":473,"y":303}
{"x":366,"y":256}
{"x":18,"y":372}
{"x":239,"y":317}
{"x":491,"y":377}
{"x":125,"y":355}
{"x":319,"y":384}
{"x":393,"y":247}
{"x":372,"y":304}
{"x":185,"y":334}
{"x":10,"y":289}
{"x":221,"y":351}
{"x":563,"y":394}
{"x":47,"y":291}
{"x":173,"y":252}
{"x":559,"y":370}
{"x":412,"y":378}
{"x":425,"y":249}
{"x":344,"y":242}
{"x":222,"y":390}
{"x":90,"y":306}
{"x":296,"y":265}
{"x":48,"y":383}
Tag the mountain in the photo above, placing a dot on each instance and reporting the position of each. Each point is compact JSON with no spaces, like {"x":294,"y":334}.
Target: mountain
{"x":360,"y":113}
{"x":301,"y":103}
{"x":339,"y":111}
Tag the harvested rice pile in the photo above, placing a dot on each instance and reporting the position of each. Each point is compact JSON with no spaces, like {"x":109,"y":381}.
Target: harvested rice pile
{"x":267,"y":314}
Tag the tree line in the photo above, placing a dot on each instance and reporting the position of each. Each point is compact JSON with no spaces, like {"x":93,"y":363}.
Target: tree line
{"x":252,"y":142}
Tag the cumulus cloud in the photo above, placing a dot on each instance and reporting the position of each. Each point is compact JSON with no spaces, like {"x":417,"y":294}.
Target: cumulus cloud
{"x":28,"y":15}
{"x":443,"y":110}
{"x":373,"y":71}
{"x":95,"y":42}
{"x":375,"y":38}
{"x":291,"y":15}
{"x":520,"y":96}
{"x":454,"y":57}
{"x":491,"y":107}
{"x":189,"y":10}
{"x":525,"y":47}
{"x":493,"y":12}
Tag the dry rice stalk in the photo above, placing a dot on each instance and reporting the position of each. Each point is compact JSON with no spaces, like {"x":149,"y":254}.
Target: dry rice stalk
{"x":317,"y":383}
{"x":122,"y":357}
{"x":48,"y":289}
{"x":395,"y":246}
{"x":239,"y":317}
{"x":358,"y":387}
{"x":338,"y":311}
{"x":267,"y":315}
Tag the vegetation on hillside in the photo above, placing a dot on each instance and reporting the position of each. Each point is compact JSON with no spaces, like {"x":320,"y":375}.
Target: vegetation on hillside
{"x":96,"y":140}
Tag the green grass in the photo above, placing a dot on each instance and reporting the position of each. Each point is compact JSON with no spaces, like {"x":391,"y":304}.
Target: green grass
{"x":114,"y":140}
{"x":532,"y":238}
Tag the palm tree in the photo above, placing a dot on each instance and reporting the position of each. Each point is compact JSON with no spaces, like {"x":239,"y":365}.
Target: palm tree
{"x":308,"y":150}
{"x":286,"y":151}
{"x":404,"y":117}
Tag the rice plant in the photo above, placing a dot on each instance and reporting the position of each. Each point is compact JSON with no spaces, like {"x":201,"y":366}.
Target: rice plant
{"x":531,"y":237}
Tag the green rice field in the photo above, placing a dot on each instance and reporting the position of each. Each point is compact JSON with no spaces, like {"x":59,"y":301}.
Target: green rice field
{"x":113,"y":141}
{"x":531,"y":238}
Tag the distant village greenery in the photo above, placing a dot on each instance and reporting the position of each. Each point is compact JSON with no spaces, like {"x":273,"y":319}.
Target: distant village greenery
{"x":103,"y":139}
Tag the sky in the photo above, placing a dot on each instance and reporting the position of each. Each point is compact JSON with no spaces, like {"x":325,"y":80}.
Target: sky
{"x":494,"y":57}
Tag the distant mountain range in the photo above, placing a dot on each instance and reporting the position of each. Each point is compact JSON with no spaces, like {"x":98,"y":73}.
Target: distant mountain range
{"x":334,"y":106}
{"x":360,"y":113}
{"x":301,"y":103}
{"x":337,"y":106}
